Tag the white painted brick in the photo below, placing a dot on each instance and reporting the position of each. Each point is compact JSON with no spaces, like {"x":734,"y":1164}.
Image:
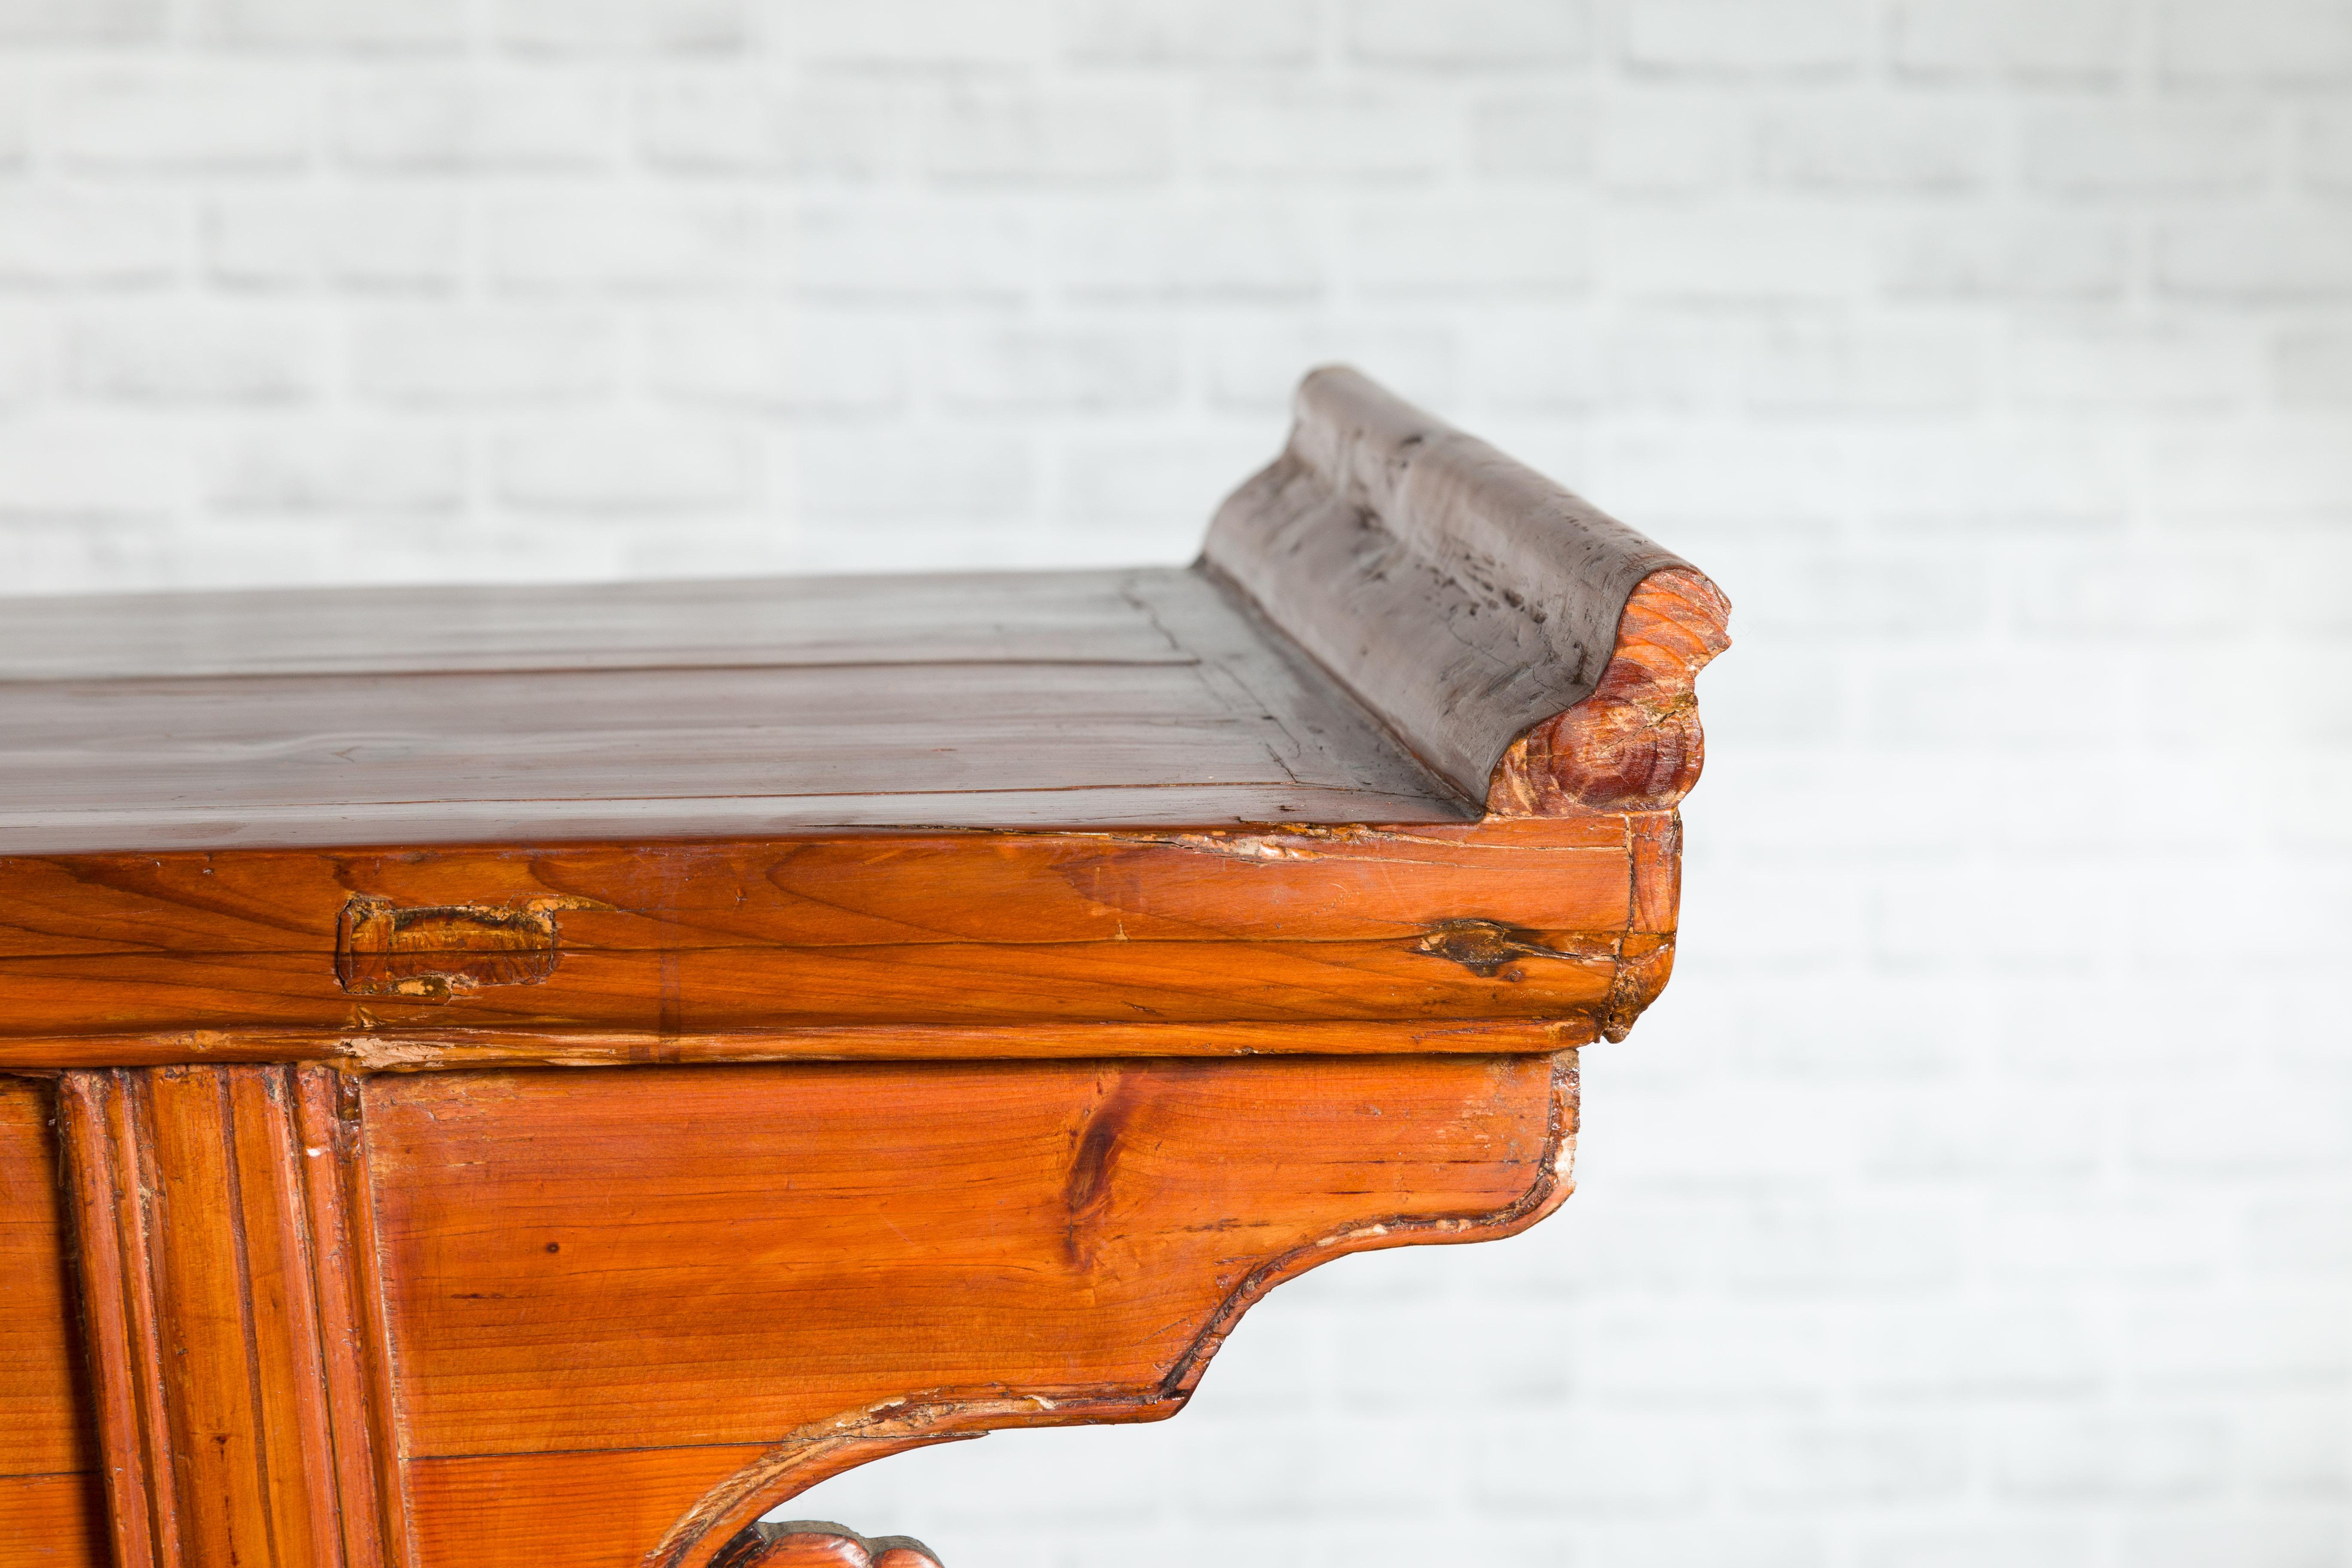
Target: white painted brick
{"x":1085,"y":370}
{"x":1143,"y":250}
{"x":1848,"y":372}
{"x":2174,"y":149}
{"x":1726,"y":252}
{"x":1853,"y":596}
{"x":2305,"y":1240}
{"x":1537,"y":360}
{"x":336,"y":24}
{"x":2149,"y":1458}
{"x":784,"y":361}
{"x":475,"y":356}
{"x":2295,"y":41}
{"x":1744,"y":35}
{"x":923,"y":33}
{"x":73,"y":469}
{"x":176,"y":355}
{"x":2296,"y":469}
{"x":1533,"y":135}
{"x":2314,"y":368}
{"x":2241,"y":1125}
{"x":2006,"y":257}
{"x":1951,"y":1351}
{"x":1871,"y":145}
{"x":1676,"y":141}
{"x":1490,"y":33}
{"x":621,"y":467}
{"x":2124,"y":367}
{"x":394,"y":241}
{"x":2282,"y":1340}
{"x":2113,"y":594}
{"x":337,"y":470}
{"x":1025,"y":135}
{"x":2028,"y":39}
{"x":1643,"y":1468}
{"x":2253,"y":258}
{"x":665,"y":243}
{"x":1346,"y":133}
{"x":432,"y":120}
{"x":1251,"y":363}
{"x":252,"y":123}
{"x":1484,"y":249}
{"x":1942,"y":1543}
{"x":54,"y":238}
{"x":901,"y":249}
{"x":1154,"y":489}
{"x":2275,"y":1537}
{"x":733,"y":122}
{"x":654,"y":25}
{"x":2053,"y":1240}
{"x":1875,"y":1464}
{"x":1189,"y":32}
{"x":2297,"y":1449}
{"x":2328,"y":150}
{"x":50,"y":22}
{"x":862,"y":476}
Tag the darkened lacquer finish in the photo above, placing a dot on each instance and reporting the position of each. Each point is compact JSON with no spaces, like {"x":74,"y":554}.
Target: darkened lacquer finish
{"x":543,"y":1076}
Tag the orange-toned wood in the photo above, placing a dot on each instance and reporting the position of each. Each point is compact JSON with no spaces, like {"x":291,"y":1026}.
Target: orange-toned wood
{"x":1206,"y":926}
{"x":45,"y":1425}
{"x":543,"y":1077}
{"x":818,"y":1543}
{"x":53,"y":1522}
{"x":52,"y":1507}
{"x":231,"y":1391}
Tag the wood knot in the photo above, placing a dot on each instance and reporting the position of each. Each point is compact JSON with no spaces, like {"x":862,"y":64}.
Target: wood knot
{"x":816,"y":1544}
{"x":1487,"y":948}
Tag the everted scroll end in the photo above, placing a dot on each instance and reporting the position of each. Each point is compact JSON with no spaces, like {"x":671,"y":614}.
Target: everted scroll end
{"x":1635,"y":744}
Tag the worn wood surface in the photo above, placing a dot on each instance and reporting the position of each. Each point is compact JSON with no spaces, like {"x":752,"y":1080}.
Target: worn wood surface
{"x":1461,"y":595}
{"x":1090,"y":1233}
{"x":49,"y":1485}
{"x":1548,"y":920}
{"x":543,"y":1077}
{"x":169,"y":721}
{"x":819,"y":1544}
{"x":234,"y":1401}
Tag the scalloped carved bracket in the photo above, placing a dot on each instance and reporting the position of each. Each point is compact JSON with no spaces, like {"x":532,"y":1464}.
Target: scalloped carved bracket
{"x":819,"y":1544}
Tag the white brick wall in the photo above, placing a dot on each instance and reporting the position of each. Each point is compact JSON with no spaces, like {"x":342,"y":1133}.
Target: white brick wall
{"x":1982,"y":1193}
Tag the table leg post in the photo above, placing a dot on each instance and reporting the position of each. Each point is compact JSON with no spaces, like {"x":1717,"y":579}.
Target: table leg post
{"x":238,"y":1418}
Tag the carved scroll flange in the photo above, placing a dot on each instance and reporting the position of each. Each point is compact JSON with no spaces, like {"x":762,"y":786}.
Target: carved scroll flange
{"x":1635,"y":744}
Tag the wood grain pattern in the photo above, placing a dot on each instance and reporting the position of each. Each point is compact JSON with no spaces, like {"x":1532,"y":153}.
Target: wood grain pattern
{"x":1166,"y":703}
{"x":231,"y":1398}
{"x":1465,"y":598}
{"x":820,"y":1543}
{"x":1047,"y":1242}
{"x":53,"y":1522}
{"x":45,"y":1427}
{"x":433,"y":1051}
{"x":1635,"y":742}
{"x":546,"y":1076}
{"x":908,"y":929}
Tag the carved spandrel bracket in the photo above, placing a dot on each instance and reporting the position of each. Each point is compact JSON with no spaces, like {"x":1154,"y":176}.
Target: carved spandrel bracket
{"x":819,"y":1544}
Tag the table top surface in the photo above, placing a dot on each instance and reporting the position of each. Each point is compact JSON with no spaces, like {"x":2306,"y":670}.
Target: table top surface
{"x":451,"y":715}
